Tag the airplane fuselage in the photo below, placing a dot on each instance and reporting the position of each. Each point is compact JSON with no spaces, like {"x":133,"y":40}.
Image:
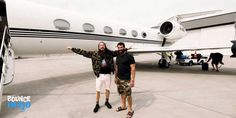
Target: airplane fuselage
{"x":38,"y":29}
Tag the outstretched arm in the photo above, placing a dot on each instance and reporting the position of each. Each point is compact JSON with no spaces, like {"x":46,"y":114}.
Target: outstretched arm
{"x":87,"y":54}
{"x":116,"y":52}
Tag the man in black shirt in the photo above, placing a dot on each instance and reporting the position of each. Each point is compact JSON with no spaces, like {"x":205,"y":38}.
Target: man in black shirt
{"x":125,"y":77}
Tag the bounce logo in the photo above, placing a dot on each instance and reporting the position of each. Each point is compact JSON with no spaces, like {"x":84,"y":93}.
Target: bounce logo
{"x":21,"y":102}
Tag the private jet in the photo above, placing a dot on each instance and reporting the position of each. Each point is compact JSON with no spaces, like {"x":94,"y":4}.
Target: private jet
{"x":29,"y":29}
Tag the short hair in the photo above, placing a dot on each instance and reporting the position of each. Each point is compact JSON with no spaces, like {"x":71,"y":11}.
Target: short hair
{"x":121,"y":43}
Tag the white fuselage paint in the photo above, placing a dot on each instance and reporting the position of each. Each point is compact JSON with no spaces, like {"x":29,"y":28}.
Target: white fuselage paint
{"x":33,"y":32}
{"x":24,"y":16}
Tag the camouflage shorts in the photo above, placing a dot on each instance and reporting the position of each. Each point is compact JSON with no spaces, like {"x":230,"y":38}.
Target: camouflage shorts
{"x":123,"y":87}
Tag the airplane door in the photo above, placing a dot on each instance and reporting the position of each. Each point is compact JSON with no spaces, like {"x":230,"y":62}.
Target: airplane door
{"x":7,"y":54}
{"x":3,"y":24}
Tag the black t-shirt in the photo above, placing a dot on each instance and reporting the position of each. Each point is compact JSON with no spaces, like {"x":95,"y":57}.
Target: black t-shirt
{"x":123,"y":62}
{"x":105,"y":67}
{"x":216,"y":57}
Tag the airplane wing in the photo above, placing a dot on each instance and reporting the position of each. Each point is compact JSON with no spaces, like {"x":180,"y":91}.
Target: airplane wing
{"x":171,"y":49}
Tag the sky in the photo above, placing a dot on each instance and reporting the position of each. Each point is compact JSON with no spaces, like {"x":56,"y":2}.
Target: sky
{"x":145,"y":13}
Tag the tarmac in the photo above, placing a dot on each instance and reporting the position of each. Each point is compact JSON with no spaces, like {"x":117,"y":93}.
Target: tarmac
{"x":64,"y":87}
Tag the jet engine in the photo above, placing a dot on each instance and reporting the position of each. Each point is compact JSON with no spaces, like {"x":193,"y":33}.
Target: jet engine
{"x":172,"y":30}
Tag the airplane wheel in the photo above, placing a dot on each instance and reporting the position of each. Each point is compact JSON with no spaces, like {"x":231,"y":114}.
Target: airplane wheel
{"x":190,"y":63}
{"x":168,"y":65}
{"x":163,"y":63}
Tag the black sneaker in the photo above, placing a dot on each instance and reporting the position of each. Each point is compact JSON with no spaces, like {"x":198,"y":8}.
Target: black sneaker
{"x":108,"y":105}
{"x":96,"y":108}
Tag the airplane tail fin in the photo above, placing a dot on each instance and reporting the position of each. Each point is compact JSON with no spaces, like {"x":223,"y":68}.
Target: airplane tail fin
{"x":196,"y":14}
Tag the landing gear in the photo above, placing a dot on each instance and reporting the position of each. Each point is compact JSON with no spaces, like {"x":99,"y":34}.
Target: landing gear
{"x":163,"y":63}
{"x":190,"y":63}
{"x":233,"y":48}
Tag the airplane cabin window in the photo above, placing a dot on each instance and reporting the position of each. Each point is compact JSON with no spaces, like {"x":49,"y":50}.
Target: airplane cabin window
{"x":88,"y":27}
{"x":123,"y":32}
{"x":62,"y":24}
{"x":107,"y":30}
{"x":144,"y":34}
{"x":134,"y":33}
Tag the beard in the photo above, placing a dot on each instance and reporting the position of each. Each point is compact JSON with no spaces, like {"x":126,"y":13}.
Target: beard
{"x":121,"y":51}
{"x":102,"y":50}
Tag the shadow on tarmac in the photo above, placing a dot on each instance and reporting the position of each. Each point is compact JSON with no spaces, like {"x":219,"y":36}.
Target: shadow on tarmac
{"x":196,"y":69}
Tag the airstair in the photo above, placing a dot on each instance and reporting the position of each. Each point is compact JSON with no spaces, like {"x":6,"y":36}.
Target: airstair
{"x":6,"y":61}
{"x":6,"y":53}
